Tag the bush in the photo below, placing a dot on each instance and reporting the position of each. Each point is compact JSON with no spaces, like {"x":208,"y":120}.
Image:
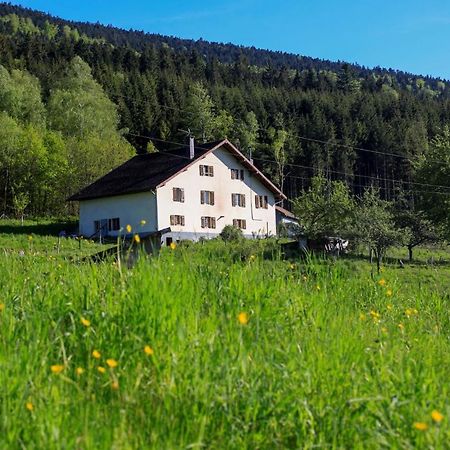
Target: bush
{"x":231,"y":233}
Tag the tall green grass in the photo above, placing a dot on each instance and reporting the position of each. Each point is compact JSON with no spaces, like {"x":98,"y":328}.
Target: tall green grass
{"x":321,"y":363}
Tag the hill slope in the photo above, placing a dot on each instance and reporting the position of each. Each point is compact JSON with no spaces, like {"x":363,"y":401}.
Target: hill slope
{"x":297,"y":115}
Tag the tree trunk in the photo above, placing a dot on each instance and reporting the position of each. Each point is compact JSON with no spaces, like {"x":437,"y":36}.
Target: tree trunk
{"x":410,"y":253}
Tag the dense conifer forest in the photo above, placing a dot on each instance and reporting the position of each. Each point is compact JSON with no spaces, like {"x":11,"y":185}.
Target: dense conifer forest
{"x":76,"y":99}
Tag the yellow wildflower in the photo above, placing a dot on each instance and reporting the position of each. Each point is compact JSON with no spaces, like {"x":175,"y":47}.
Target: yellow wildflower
{"x":79,"y":371}
{"x":30,"y":238}
{"x":401,"y":326}
{"x":375,"y":316}
{"x":115,"y":385}
{"x":57,"y":368}
{"x":421,"y":426}
{"x":173,"y":246}
{"x":85,"y":322}
{"x":96,"y":354}
{"x":382,"y":282}
{"x":29,"y":406}
{"x":148,"y":350}
{"x":128,"y":227}
{"x":243,"y":318}
{"x":252,"y":257}
{"x":143,"y":222}
{"x":101,"y":369}
{"x":112,"y":363}
{"x":437,"y":416}
{"x":292,"y":266}
{"x":389,"y":293}
{"x":137,"y":239}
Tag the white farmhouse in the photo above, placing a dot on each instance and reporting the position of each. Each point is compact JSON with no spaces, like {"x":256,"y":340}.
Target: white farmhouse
{"x":194,"y":192}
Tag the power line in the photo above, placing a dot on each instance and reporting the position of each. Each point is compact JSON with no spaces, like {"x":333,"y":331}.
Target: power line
{"x":360,"y":176}
{"x":305,"y":138}
{"x":313,"y":168}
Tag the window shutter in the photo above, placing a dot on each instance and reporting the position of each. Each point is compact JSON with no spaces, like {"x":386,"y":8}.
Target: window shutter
{"x":213,"y":222}
{"x":202,"y":197}
{"x":212,"y":198}
{"x":182,"y":195}
{"x":211,"y":171}
{"x":257,"y":201}
{"x":243,"y":200}
{"x":174,"y":194}
{"x":242,"y":174}
{"x":172,"y":220}
{"x":201,"y":170}
{"x":244,"y":224}
{"x":182,"y":221}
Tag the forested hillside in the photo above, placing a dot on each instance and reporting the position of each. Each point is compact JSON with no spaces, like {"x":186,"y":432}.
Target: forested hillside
{"x":73,"y":97}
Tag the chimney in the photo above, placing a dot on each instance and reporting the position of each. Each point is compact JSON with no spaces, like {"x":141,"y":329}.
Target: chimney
{"x":191,"y":147}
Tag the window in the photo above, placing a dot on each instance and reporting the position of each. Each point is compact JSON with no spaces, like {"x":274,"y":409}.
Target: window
{"x":178,"y":195}
{"x":238,"y":200}
{"x":261,"y":201}
{"x":207,"y":197}
{"x":177,"y":220}
{"x":240,"y":223}
{"x":114,"y":224}
{"x":208,"y":222}
{"x":206,"y":171}
{"x":237,"y":174}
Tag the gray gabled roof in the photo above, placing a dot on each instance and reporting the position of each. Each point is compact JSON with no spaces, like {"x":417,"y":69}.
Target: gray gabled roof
{"x":147,"y":172}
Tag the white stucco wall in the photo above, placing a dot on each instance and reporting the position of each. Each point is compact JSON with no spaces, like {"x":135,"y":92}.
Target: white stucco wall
{"x":259,"y":221}
{"x":131,"y":209}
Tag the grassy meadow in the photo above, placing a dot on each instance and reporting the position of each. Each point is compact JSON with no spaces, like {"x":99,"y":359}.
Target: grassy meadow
{"x":219,"y":346}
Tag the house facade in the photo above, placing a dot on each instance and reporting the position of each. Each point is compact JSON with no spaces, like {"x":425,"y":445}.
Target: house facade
{"x":194,"y":192}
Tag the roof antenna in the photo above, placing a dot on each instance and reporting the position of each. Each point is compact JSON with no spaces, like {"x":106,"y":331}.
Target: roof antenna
{"x":189,"y":133}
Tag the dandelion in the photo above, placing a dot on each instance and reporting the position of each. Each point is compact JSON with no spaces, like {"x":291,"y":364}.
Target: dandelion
{"x":375,"y":316}
{"x":112,"y":363}
{"x":128,"y":227}
{"x":96,"y":354}
{"x":389,"y":293}
{"x":115,"y":385}
{"x":137,"y":239}
{"x":79,"y":371}
{"x":57,"y":368}
{"x":401,"y":326}
{"x":148,"y":350}
{"x":421,"y":426}
{"x":252,"y":257}
{"x":411,"y":312}
{"x":30,"y":238}
{"x":29,"y":406}
{"x":382,"y":282}
{"x":243,"y":318}
{"x":437,"y":416}
{"x":85,"y":322}
{"x":143,"y":222}
{"x":101,"y":369}
{"x":173,"y":246}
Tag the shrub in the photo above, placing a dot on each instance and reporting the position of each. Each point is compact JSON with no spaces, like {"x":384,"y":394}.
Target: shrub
{"x":231,"y":233}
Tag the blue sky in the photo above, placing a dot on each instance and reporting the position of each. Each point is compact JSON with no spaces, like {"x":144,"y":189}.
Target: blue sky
{"x":409,"y":35}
